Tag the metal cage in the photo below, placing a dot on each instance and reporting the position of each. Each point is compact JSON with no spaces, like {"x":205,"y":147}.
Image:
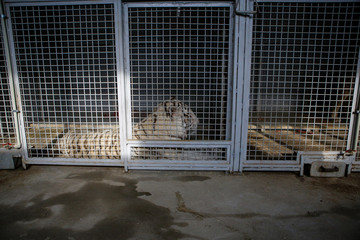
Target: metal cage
{"x":179,"y":84}
{"x":304,"y":64}
{"x":219,"y":85}
{"x":67,"y":77}
{"x":140,"y":85}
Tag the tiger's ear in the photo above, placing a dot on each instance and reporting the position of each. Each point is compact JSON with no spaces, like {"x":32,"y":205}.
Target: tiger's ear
{"x":172,"y":98}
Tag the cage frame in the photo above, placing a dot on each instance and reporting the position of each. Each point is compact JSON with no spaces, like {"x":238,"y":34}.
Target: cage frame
{"x":125,"y":143}
{"x":355,"y":140}
{"x":279,"y":165}
{"x":240,"y":76}
{"x":119,"y":59}
{"x":232,"y":94}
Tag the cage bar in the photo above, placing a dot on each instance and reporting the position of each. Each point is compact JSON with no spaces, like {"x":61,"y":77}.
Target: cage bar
{"x":358,"y":153}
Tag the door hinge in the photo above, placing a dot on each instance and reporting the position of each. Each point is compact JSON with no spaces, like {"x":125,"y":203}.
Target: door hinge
{"x":248,"y":13}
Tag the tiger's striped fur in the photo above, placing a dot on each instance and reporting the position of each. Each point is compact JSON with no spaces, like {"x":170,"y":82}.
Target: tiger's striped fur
{"x":93,"y":144}
{"x":171,"y":120}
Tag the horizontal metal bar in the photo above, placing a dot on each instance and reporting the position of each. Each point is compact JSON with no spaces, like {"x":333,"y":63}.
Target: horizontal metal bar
{"x":150,"y":143}
{"x":180,"y":167}
{"x":184,"y":168}
{"x":179,"y":4}
{"x":106,"y":164}
{"x":269,"y":162}
{"x":305,"y":1}
{"x":245,"y":13}
{"x":266,"y":168}
{"x":355,"y":167}
{"x":177,"y":162}
{"x":54,"y":2}
{"x":324,"y":153}
{"x":75,"y":161}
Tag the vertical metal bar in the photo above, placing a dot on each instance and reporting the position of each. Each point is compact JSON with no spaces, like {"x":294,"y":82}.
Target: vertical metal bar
{"x":127,"y":70}
{"x":10,"y":74}
{"x":246,"y":88}
{"x":230,"y":76}
{"x":17,"y":85}
{"x":119,"y":41}
{"x":354,"y":130}
{"x":126,"y":86}
{"x":238,"y":83}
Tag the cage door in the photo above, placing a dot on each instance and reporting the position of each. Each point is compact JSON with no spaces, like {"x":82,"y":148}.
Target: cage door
{"x":67,"y":70}
{"x":303,"y":78}
{"x":180,"y":83}
{"x":179,"y":55}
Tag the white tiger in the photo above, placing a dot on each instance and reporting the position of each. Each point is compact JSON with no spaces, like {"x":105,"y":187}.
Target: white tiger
{"x":171,"y":120}
{"x":93,"y":144}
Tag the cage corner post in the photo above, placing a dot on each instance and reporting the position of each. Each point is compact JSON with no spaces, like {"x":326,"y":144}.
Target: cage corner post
{"x":242,"y":63}
{"x":121,"y":79}
{"x":353,"y":140}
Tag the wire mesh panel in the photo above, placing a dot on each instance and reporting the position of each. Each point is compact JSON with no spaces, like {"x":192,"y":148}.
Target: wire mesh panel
{"x":179,"y":153}
{"x":7,"y":128}
{"x":303,"y":76}
{"x":66,"y":62}
{"x":179,"y":72}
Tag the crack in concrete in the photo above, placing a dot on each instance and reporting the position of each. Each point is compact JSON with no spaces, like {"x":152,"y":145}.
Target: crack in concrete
{"x":181,"y":207}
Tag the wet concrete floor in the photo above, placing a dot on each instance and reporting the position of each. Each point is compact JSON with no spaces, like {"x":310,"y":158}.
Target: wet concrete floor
{"x":59,"y":202}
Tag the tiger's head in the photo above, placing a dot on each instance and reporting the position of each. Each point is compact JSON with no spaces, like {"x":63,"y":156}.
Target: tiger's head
{"x":175,"y":109}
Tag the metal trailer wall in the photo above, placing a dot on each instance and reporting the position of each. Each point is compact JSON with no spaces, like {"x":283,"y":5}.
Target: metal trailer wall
{"x":303,"y":78}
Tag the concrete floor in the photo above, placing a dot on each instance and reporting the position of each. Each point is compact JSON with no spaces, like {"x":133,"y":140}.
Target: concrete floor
{"x":51,"y":202}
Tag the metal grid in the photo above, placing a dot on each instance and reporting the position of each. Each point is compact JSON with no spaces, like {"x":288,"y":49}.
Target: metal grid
{"x":303,"y":76}
{"x":7,"y":128}
{"x":179,"y":153}
{"x":180,"y":57}
{"x":66,"y":63}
